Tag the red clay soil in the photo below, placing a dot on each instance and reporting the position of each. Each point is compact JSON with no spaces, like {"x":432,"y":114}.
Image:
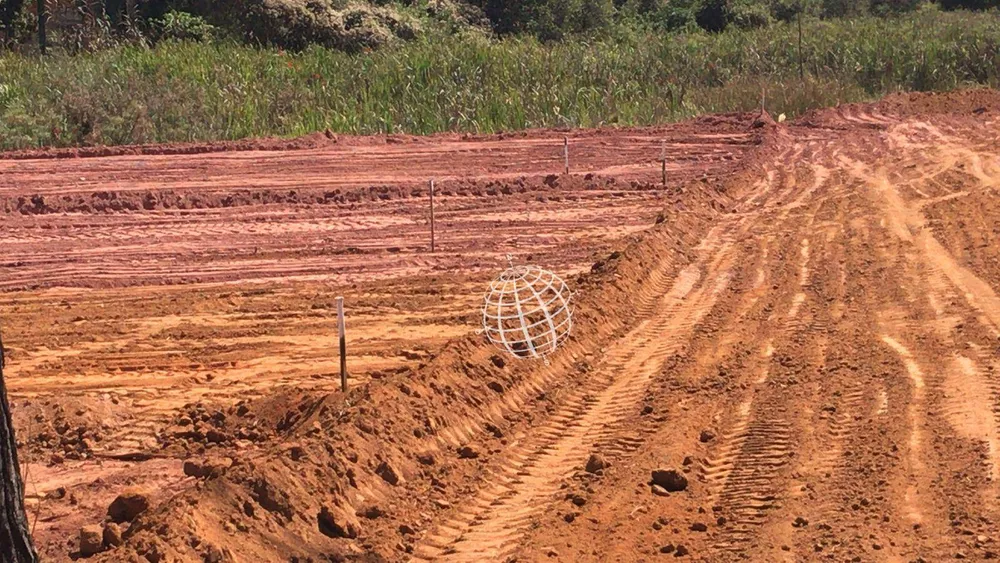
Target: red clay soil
{"x":787,"y":354}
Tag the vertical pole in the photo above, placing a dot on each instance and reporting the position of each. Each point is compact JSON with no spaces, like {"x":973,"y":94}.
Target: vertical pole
{"x":343,"y":344}
{"x":663,"y":160}
{"x":566,"y":152}
{"x":801,"y":72}
{"x":43,"y":16}
{"x":432,"y":214}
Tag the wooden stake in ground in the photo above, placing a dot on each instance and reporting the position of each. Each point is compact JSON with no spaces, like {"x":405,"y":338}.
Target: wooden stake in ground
{"x":566,"y":152}
{"x":663,"y":161}
{"x":343,"y":344}
{"x":15,"y":540}
{"x":432,"y":215}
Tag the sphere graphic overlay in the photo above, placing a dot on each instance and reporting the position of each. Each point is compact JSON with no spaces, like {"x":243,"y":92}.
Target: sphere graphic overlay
{"x":527,"y":312}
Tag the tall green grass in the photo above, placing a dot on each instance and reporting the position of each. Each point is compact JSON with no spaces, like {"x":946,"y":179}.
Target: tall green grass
{"x":191,"y":92}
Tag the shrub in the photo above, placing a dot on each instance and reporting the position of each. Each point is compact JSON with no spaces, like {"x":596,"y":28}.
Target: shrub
{"x":182,"y":26}
{"x":678,"y":15}
{"x":748,"y":14}
{"x":894,"y":7}
{"x":457,"y":13}
{"x":593,"y":15}
{"x":841,"y":8}
{"x":296,"y":24}
{"x":549,"y":19}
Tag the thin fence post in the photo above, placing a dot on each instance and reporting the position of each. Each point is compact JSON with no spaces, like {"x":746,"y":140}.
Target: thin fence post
{"x":432,"y":214}
{"x":343,"y":344}
{"x":663,"y":161}
{"x":566,"y":152}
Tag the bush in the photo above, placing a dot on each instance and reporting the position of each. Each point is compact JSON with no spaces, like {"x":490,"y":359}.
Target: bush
{"x":678,"y":15}
{"x":841,"y":8}
{"x":296,"y":24}
{"x":594,"y":15}
{"x":748,"y":14}
{"x":549,"y":19}
{"x":457,"y":13}
{"x":894,"y":7}
{"x":182,"y":26}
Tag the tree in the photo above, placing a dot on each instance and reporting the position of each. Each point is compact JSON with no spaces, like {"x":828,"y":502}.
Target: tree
{"x":15,"y":541}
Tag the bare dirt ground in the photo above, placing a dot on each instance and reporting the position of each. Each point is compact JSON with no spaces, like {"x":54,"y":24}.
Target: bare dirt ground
{"x":796,"y":342}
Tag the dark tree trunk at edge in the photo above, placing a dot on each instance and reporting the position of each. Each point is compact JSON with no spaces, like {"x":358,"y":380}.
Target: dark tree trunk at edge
{"x":15,"y":540}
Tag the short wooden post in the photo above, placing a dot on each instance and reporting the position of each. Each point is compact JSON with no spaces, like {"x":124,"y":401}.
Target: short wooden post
{"x":663,"y":161}
{"x":566,"y":152}
{"x":343,"y":344}
{"x":432,"y":215}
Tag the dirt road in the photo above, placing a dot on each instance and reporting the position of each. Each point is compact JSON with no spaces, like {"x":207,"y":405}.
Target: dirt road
{"x":811,"y":340}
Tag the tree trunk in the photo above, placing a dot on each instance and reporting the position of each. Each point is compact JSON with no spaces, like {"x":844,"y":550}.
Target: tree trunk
{"x":43,"y":17}
{"x":15,"y":540}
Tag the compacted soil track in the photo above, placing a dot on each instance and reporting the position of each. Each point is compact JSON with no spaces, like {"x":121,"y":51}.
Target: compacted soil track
{"x":807,"y":340}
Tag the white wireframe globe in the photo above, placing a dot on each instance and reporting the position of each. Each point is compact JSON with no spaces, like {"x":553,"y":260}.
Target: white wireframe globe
{"x":527,"y":312}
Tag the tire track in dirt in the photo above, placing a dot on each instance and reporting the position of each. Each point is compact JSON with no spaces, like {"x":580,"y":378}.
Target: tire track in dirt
{"x":535,"y":468}
{"x":489,"y":526}
{"x":745,"y":483}
{"x":923,"y":327}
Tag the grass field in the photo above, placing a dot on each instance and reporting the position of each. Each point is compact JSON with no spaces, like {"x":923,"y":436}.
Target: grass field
{"x":200,"y":92}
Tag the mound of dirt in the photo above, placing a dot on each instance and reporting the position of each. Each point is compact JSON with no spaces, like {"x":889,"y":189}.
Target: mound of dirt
{"x":958,"y":102}
{"x":974,"y":104}
{"x":60,"y":429}
{"x":110,"y":201}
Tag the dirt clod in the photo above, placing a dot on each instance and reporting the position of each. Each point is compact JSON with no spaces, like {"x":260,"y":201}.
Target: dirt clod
{"x":211,"y":467}
{"x":128,"y":505}
{"x":388,"y":473}
{"x":91,"y":540}
{"x":670,"y":479}
{"x":112,"y":535}
{"x":333,"y":527}
{"x":596,"y":463}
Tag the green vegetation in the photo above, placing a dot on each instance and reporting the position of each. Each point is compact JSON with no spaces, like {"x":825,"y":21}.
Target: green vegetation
{"x":445,"y":81}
